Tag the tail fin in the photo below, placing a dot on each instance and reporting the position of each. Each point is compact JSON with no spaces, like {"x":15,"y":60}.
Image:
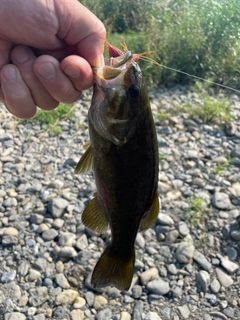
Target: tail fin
{"x":115,"y":270}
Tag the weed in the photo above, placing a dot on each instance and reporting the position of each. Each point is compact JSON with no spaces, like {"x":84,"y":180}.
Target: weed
{"x":221,"y":167}
{"x":163,"y":115}
{"x":194,"y":214}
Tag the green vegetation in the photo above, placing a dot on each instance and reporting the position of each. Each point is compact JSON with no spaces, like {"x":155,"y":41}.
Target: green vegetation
{"x":210,"y":110}
{"x":195,"y":213}
{"x":221,"y":167}
{"x":201,"y":38}
{"x":50,"y":119}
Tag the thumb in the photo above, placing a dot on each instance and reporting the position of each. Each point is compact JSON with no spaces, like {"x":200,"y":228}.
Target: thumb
{"x":81,"y":28}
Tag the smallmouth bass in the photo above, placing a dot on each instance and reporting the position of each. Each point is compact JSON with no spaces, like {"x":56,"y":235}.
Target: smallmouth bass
{"x":123,"y":154}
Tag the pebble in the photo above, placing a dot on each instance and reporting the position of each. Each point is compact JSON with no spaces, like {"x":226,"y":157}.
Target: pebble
{"x":105,"y":314}
{"x":77,"y":315}
{"x":202,"y":261}
{"x":184,"y":311}
{"x":66,"y":297}
{"x":57,"y":206}
{"x":62,"y":281}
{"x":223,"y":278}
{"x":228,"y":265}
{"x":165,"y":220}
{"x":235,"y":234}
{"x":148,"y":275}
{"x":183,"y":228}
{"x":221,"y":201}
{"x":14,"y":316}
{"x":185,"y":252}
{"x":203,"y":279}
{"x":49,"y":234}
{"x":158,"y":286}
{"x":99,"y":302}
{"x":215,"y":286}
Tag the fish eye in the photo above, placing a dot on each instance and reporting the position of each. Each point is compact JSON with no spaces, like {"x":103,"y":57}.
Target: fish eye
{"x":134,"y":91}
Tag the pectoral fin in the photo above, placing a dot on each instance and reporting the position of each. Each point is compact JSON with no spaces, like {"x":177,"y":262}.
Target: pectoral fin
{"x":152,"y":215}
{"x":94,"y":217}
{"x":85,"y":162}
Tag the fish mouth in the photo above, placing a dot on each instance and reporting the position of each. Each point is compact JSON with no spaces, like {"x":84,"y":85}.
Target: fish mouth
{"x":115,"y":70}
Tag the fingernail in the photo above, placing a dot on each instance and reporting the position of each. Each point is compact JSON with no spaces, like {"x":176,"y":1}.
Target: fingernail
{"x":21,"y":55}
{"x":72,"y":72}
{"x":47,"y":70}
{"x":9,"y":73}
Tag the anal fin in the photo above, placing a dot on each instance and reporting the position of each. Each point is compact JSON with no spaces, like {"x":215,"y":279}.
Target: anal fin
{"x":152,"y":214}
{"x":85,"y":163}
{"x":94,"y":217}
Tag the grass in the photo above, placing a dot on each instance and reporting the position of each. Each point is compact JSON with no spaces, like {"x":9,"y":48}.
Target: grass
{"x":194,"y":214}
{"x":221,"y":167}
{"x":49,"y":119}
{"x":215,"y":110}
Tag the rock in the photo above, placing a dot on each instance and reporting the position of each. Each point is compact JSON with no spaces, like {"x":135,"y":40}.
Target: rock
{"x":89,"y":296}
{"x":225,"y":280}
{"x":82,"y":242}
{"x":184,"y":252}
{"x":158,"y":286}
{"x":171,"y":236}
{"x":8,"y":276}
{"x":221,"y":200}
{"x":14,"y":316}
{"x":183,"y":228}
{"x":140,"y":241}
{"x":172,"y":269}
{"x":67,"y":239}
{"x":105,"y":314}
{"x":215,"y":286}
{"x":62,"y":281}
{"x":228,"y":265}
{"x":66,"y":297}
{"x":184,"y":311}
{"x":235,"y":234}
{"x":137,"y":310}
{"x":125,"y":316}
{"x":11,"y":232}
{"x":165,"y":220}
{"x":202,"y":261}
{"x":38,"y":296}
{"x":79,"y":303}
{"x":136,"y":291}
{"x":49,"y":234}
{"x":67,"y":252}
{"x":148,"y":275}
{"x":218,"y":315}
{"x":57,"y":206}
{"x":176,"y":292}
{"x":77,"y":315}
{"x":235,"y":153}
{"x":40,"y":264}
{"x":203,"y":279}
{"x":152,"y":316}
{"x":99,"y":302}
{"x":33,"y":275}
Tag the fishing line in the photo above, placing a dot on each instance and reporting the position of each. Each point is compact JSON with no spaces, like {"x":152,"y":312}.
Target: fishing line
{"x":189,"y":75}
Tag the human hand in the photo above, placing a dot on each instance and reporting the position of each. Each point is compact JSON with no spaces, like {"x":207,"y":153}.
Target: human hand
{"x":47,"y":48}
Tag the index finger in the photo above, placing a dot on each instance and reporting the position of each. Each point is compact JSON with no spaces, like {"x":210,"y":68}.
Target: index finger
{"x":81,"y":28}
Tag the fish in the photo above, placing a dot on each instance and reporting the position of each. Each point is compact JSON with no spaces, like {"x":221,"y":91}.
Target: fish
{"x":123,"y":153}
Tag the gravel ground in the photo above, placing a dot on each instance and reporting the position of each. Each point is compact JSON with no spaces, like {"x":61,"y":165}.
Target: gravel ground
{"x":187,"y":264}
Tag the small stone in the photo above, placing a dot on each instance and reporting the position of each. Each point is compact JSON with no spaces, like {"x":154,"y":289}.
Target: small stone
{"x":40,"y":264}
{"x":221,"y":200}
{"x":172,"y":269}
{"x":148,"y":275}
{"x":40,"y":316}
{"x":10,"y":202}
{"x":215,"y":286}
{"x":184,"y":252}
{"x":140,"y":241}
{"x":38,"y":296}
{"x":82,"y":242}
{"x":152,"y":316}
{"x":158,"y":286}
{"x":203,"y":279}
{"x":99,"y":302}
{"x":58,"y":223}
{"x":184,"y":311}
{"x":228,"y":265}
{"x":33,"y":275}
{"x":89,"y":296}
{"x":176,"y":292}
{"x":225,"y":280}
{"x":8,"y":240}
{"x":105,"y":314}
{"x":62,"y":281}
{"x":235,"y":153}
{"x":235,"y":234}
{"x":125,"y":316}
{"x":173,"y":195}
{"x":67,"y":252}
{"x":67,"y":239}
{"x":171,"y":236}
{"x":66,"y":297}
{"x":23,"y":268}
{"x":59,"y":266}
{"x":136,"y":291}
{"x":202,"y":261}
{"x":165,"y":220}
{"x":183,"y":228}
{"x":57,"y":206}
{"x":232,"y":254}
{"x":14,"y":316}
{"x":8,"y":276}
{"x":79,"y":303}
{"x":137,"y":310}
{"x":77,"y":315}
{"x":11,"y":232}
{"x":218,"y":315}
{"x":49,"y":235}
